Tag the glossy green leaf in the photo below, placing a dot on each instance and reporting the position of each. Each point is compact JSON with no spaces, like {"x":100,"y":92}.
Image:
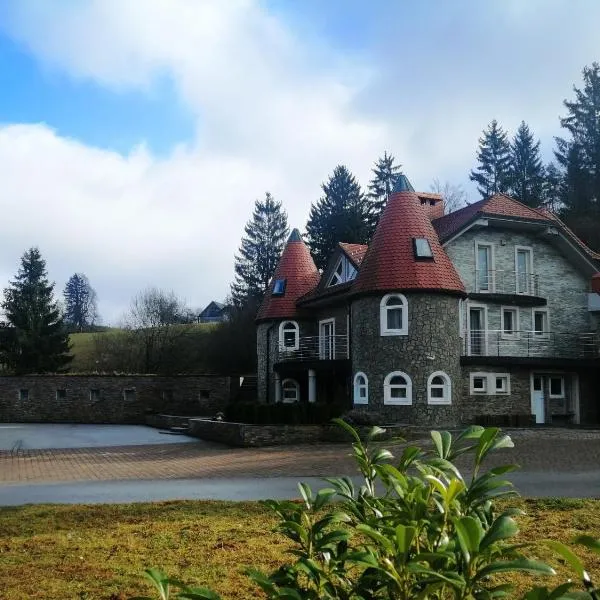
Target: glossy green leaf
{"x":469,"y":534}
{"x":404,"y":538}
{"x":502,"y":528}
{"x":589,"y":542}
{"x":572,"y":560}
{"x":521,"y":564}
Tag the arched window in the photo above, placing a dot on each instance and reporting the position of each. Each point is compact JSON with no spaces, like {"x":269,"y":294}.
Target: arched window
{"x":439,"y":388}
{"x":397,"y":388}
{"x":394,"y":315}
{"x":361,"y":389}
{"x":289,"y":336}
{"x":290,"y":390}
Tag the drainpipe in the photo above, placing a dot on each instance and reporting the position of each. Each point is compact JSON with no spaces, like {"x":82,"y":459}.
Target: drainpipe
{"x":268,"y":374}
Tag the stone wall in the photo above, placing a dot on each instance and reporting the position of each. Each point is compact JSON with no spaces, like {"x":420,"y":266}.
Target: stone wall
{"x":110,"y":399}
{"x":432,"y":344}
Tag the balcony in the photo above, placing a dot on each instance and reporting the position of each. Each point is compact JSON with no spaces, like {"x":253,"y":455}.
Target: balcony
{"x":532,"y":344}
{"x":316,"y":348}
{"x":503,"y":282}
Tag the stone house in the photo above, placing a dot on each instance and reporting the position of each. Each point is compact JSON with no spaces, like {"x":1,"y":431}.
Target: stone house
{"x":442,"y":319}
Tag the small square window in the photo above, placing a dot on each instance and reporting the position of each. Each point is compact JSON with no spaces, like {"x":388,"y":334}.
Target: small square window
{"x":61,"y":394}
{"x":557,"y":387}
{"x":23,"y":395}
{"x":479,"y":384}
{"x":422,"y":248}
{"x":279,"y":287}
{"x":501,"y":385}
{"x":129,"y":395}
{"x":204,"y":394}
{"x":94,"y":395}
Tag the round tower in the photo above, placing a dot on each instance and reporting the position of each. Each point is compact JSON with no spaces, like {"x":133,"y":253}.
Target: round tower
{"x":406,"y":341}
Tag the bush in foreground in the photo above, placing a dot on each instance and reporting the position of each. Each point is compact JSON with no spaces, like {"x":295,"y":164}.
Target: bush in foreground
{"x":416,"y":529}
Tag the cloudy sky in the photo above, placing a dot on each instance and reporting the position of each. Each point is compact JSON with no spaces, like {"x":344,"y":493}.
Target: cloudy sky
{"x":135,"y":135}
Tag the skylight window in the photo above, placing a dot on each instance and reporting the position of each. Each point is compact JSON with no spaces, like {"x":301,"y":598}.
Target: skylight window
{"x":279,"y":287}
{"x":422,"y":248}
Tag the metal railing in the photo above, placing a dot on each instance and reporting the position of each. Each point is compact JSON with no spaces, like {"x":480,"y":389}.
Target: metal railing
{"x":314,"y":347}
{"x":506,"y":282}
{"x":531,"y":344}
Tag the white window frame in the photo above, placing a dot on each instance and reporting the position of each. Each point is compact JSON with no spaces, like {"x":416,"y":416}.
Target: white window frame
{"x":500,"y":391}
{"x":471,"y":305}
{"x":562,"y":386}
{"x":321,"y":338}
{"x":282,"y":346}
{"x":478,"y":392}
{"x":492,"y":267}
{"x":383,"y":311}
{"x":528,"y":249}
{"x":545,"y":334}
{"x":387,"y":390}
{"x":358,"y":387}
{"x":446,"y":387}
{"x":296,"y":388}
{"x":516,"y":323}
{"x":340,"y":263}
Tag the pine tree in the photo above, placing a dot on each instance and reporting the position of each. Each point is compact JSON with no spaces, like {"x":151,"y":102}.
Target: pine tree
{"x":552,"y":188}
{"x":340,"y":215}
{"x":526,"y":168}
{"x":493,"y":173}
{"x":381,"y":185}
{"x":265,"y":236}
{"x":81,"y":309}
{"x":41,"y":344}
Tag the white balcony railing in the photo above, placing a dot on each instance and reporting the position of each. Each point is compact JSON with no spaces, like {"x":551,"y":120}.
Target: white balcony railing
{"x":506,"y":282}
{"x":328,"y":347}
{"x":531,"y":344}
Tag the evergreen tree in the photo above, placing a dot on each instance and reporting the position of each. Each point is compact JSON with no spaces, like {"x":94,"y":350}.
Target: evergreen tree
{"x":265,"y":236}
{"x":81,"y":309}
{"x":41,"y":344}
{"x":381,"y":185}
{"x":526,"y":168}
{"x":552,"y":188}
{"x":340,"y":215}
{"x":493,"y":172}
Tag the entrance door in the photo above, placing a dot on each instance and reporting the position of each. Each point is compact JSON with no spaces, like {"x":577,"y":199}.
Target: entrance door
{"x":476,"y":332}
{"x":537,"y":399}
{"x":327,"y":340}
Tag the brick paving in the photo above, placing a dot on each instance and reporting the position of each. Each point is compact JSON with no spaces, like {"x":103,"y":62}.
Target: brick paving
{"x":535,"y":450}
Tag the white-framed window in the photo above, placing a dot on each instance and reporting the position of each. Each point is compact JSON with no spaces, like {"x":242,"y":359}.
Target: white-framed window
{"x":344,"y":271}
{"x":501,"y":383}
{"x":524,"y":269}
{"x":509,"y":316}
{"x":397,"y":389}
{"x":290,"y":390}
{"x":557,"y":386}
{"x":327,"y":339}
{"x":393,"y":312}
{"x":439,"y":388}
{"x":477,"y":318}
{"x":289,"y":336}
{"x":479,"y":383}
{"x":361,"y":389}
{"x":484,"y":267}
{"x":541,"y":322}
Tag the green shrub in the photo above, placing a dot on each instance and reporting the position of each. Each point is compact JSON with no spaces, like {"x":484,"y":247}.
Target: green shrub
{"x":415,"y":529}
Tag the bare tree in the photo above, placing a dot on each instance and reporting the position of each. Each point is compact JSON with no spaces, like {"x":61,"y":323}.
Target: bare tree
{"x":454,"y":196}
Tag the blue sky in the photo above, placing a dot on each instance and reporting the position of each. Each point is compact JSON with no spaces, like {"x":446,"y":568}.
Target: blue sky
{"x":135,"y":136}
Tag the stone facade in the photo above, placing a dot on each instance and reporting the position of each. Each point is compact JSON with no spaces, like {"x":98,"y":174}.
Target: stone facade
{"x":110,"y":399}
{"x":432,"y":344}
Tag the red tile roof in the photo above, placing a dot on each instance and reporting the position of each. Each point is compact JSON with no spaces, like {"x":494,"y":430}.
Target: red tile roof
{"x":356,"y":252}
{"x":390,"y":262}
{"x":297,"y":267}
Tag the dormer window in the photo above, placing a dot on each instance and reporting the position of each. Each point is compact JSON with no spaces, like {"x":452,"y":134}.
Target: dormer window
{"x":422,"y":248}
{"x":344,"y":271}
{"x":279,"y":287}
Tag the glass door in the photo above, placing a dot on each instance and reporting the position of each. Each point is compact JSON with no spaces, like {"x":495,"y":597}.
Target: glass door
{"x":327,"y":340}
{"x":484,"y":269}
{"x":476,"y":332}
{"x":523,"y":271}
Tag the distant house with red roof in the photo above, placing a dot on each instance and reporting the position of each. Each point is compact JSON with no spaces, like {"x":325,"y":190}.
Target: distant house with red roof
{"x":490,"y":312}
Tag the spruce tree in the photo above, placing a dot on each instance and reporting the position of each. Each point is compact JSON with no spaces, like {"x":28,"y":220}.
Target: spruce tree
{"x":340,"y":215}
{"x":492,"y":175}
{"x":526,"y":168}
{"x":265,"y":236}
{"x":81,"y":309}
{"x":41,"y":344}
{"x":552,"y":188}
{"x":381,"y":185}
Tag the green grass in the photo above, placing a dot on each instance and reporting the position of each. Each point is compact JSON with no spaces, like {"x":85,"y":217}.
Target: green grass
{"x":100,"y":551}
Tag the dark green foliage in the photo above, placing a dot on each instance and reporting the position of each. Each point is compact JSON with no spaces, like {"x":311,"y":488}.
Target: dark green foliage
{"x":579,"y":157}
{"x":297,"y":413}
{"x":342,"y":214}
{"x":81,"y":310}
{"x":381,"y":185}
{"x":552,"y":188}
{"x":526,"y":168}
{"x":39,"y":342}
{"x":265,"y":236}
{"x":493,"y":173}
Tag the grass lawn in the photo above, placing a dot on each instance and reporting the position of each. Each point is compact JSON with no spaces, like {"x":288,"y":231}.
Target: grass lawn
{"x":100,"y":551}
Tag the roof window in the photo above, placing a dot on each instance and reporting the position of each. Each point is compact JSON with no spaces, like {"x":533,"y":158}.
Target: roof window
{"x":422,"y":248}
{"x":279,"y":287}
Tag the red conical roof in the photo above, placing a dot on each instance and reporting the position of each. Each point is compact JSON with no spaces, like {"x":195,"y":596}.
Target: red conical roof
{"x":390,"y":263}
{"x":301,"y":275}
